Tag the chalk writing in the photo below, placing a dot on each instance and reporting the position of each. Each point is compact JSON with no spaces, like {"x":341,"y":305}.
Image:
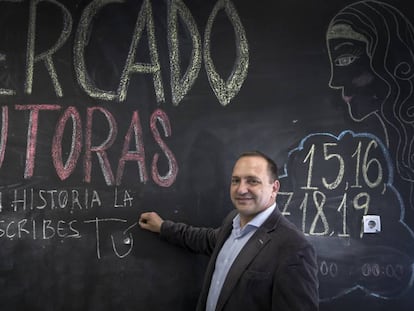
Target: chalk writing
{"x":38,"y":223}
{"x":351,"y":176}
{"x":180,"y":84}
{"x":330,"y":183}
{"x":122,"y":200}
{"x":53,"y":199}
{"x":64,"y":169}
{"x":44,"y":229}
{"x":99,"y":222}
{"x":366,"y":270}
{"x":225,"y":91}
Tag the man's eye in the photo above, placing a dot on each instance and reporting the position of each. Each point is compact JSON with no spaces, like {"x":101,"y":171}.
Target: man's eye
{"x":234,"y":181}
{"x":345,"y":60}
{"x":253,"y":182}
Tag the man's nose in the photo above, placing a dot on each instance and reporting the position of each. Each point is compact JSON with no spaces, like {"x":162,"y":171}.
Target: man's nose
{"x":242,"y":187}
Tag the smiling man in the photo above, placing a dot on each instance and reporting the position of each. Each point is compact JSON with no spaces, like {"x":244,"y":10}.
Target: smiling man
{"x":253,"y":186}
{"x":258,"y":259}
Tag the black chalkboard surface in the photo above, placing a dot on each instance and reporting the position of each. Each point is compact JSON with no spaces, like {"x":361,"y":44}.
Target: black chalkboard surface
{"x":113,"y":108}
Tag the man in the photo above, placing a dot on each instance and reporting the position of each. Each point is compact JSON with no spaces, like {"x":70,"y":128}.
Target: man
{"x":259,"y":260}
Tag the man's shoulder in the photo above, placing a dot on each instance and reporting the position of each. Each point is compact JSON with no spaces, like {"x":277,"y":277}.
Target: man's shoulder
{"x":288,"y":231}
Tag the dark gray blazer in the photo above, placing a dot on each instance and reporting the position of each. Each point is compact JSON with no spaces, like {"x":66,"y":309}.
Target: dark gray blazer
{"x":276,"y":269}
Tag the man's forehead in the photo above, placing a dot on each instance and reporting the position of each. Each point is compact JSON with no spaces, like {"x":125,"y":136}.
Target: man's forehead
{"x":255,"y":165}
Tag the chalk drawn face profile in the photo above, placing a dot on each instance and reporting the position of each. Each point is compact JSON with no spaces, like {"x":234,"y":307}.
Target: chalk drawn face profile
{"x":371,"y":51}
{"x":362,"y":89}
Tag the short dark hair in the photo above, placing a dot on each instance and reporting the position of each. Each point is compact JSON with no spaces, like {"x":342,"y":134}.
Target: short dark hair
{"x":271,"y":165}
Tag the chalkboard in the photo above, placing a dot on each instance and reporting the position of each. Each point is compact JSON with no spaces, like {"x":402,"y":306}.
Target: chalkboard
{"x":113,"y":108}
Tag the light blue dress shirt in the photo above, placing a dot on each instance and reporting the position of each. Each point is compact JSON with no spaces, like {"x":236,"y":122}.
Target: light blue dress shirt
{"x":228,"y":253}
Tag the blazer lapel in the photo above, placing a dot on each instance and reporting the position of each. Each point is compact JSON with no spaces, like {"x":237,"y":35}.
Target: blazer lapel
{"x":255,"y":244}
{"x":224,"y":234}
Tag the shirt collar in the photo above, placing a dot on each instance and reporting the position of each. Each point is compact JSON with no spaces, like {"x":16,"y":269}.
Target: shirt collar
{"x":257,"y":221}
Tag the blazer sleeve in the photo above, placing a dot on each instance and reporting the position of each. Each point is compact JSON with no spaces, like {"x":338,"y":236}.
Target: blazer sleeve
{"x":197,"y":240}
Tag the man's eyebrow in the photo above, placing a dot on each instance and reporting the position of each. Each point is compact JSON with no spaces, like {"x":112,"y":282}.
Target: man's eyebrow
{"x":245,"y":177}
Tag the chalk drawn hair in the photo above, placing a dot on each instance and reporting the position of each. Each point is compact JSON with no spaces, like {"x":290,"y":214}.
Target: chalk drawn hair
{"x":389,"y":36}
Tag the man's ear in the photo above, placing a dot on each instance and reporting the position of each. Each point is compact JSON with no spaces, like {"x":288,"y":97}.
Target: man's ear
{"x":276,"y":186}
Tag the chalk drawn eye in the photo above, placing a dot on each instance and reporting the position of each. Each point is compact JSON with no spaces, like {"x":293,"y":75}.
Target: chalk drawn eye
{"x":345,"y":60}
